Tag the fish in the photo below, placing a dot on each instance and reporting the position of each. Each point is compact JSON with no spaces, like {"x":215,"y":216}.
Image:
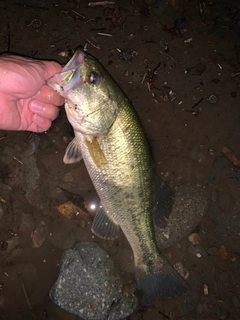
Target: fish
{"x":111,"y":141}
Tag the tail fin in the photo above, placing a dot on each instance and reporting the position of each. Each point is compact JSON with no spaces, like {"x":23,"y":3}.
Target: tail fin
{"x":159,"y":280}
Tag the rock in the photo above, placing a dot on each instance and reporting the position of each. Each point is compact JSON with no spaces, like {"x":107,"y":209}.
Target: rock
{"x":90,"y":286}
{"x":62,"y":235}
{"x":14,"y":255}
{"x":194,"y":238}
{"x":39,"y":235}
{"x":10,"y":245}
{"x":27,"y":223}
{"x":191,"y":203}
{"x":205,"y":289}
{"x":182,"y":270}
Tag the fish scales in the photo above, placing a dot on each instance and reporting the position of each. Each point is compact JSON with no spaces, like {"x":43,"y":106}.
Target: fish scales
{"x":112,"y":143}
{"x":126,"y":184}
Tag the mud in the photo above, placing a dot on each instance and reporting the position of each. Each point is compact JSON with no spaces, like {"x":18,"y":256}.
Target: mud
{"x":182,"y":77}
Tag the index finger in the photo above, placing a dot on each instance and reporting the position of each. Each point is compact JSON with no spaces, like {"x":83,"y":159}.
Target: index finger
{"x":49,"y":96}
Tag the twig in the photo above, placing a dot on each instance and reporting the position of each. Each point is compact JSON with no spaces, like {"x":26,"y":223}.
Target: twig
{"x":231,"y":156}
{"x":26,"y":296}
{"x":92,"y":44}
{"x":101,"y":3}
{"x":17,"y":160}
{"x":79,"y":14}
{"x":144,"y":77}
{"x":197,"y":103}
{"x":105,"y":34}
{"x":201,"y":11}
{"x":235,"y":74}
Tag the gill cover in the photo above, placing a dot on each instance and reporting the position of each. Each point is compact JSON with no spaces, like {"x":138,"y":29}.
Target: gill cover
{"x":91,"y":94}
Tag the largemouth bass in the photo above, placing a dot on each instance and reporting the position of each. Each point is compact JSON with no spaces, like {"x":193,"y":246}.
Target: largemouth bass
{"x":111,"y":141}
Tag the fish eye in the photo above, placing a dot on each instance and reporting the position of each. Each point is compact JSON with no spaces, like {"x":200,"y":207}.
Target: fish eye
{"x":93,"y":77}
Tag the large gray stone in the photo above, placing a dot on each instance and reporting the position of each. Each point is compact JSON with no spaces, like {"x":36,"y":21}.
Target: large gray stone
{"x":90,"y":286}
{"x":190,"y":204}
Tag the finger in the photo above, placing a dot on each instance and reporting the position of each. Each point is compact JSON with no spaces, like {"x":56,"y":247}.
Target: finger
{"x":42,"y":124}
{"x":48,"y":95}
{"x":48,"y":111}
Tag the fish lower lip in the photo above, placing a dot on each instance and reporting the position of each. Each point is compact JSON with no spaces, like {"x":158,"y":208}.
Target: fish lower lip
{"x":58,"y":83}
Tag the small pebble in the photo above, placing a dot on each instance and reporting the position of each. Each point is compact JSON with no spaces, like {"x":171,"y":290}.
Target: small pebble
{"x":211,"y":152}
{"x":194,"y":238}
{"x":205,"y":289}
{"x":182,"y":270}
{"x":39,"y":235}
{"x":212,"y":99}
{"x":6,"y":247}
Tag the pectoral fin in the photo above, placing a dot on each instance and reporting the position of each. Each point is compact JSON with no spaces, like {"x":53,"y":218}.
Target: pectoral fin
{"x":105,"y":226}
{"x":165,"y":199}
{"x":73,"y":152}
{"x":96,"y":152}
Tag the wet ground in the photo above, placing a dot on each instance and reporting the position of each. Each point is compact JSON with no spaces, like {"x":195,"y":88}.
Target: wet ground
{"x":183,"y":79}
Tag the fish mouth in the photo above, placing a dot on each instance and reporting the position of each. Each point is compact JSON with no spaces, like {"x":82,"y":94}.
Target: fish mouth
{"x":68,"y":78}
{"x":76,"y":60}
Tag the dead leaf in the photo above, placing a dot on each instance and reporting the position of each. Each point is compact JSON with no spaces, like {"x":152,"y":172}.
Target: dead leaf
{"x":223,"y":253}
{"x":71,"y":211}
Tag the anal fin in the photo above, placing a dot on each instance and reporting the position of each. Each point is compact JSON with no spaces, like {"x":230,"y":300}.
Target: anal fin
{"x":105,"y":226}
{"x":165,"y":199}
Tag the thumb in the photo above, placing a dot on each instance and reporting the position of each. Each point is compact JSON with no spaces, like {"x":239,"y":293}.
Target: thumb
{"x":50,"y":68}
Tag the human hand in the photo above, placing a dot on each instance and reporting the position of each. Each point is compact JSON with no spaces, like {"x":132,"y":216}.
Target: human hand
{"x":26,"y":102}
